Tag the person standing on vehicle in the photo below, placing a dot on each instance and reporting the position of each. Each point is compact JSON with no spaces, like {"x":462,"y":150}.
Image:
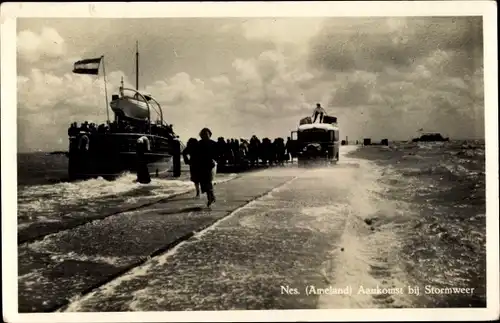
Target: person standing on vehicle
{"x":318,"y":111}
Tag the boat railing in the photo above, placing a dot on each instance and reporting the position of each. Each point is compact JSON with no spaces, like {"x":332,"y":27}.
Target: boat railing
{"x":127,"y":141}
{"x":132,"y":134}
{"x":159,"y":108}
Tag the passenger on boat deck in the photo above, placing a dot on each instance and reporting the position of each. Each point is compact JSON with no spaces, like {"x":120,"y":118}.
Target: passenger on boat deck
{"x":190,"y":158}
{"x":73,"y":129}
{"x":84,"y":126}
{"x":207,"y":152}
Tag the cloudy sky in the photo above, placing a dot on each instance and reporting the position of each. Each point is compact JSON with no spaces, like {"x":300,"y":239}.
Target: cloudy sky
{"x":382,"y":77}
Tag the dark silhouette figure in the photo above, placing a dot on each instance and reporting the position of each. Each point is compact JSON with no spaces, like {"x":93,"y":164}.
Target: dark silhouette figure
{"x":143,"y":176}
{"x":244,"y":153}
{"x":73,"y":130}
{"x":221,"y":152}
{"x":229,"y":152}
{"x":236,"y":151}
{"x":266,"y":151}
{"x":289,"y":149}
{"x":254,"y":151}
{"x":190,"y":158}
{"x":279,"y":146}
{"x":206,"y":156}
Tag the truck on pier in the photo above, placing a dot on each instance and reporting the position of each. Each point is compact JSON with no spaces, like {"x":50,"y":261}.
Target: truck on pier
{"x":317,"y":143}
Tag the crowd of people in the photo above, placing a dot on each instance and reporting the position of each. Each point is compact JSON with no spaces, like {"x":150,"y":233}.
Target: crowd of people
{"x":205,"y":154}
{"x":120,"y":126}
{"x":252,"y":152}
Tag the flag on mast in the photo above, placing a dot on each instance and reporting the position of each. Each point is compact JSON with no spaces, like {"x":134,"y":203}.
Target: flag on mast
{"x":87,"y":66}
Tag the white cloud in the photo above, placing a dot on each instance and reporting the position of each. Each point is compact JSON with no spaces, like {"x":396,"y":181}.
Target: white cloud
{"x":283,"y":30}
{"x":266,"y":93}
{"x":48,"y":103}
{"x":33,"y":46}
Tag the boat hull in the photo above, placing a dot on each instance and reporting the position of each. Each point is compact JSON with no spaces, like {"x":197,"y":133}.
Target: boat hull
{"x":110,"y":167}
{"x":111,"y":155}
{"x":430,"y":140}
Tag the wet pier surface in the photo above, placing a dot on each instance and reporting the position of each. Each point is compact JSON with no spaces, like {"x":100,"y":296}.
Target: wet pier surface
{"x":271,"y":235}
{"x":71,"y":262}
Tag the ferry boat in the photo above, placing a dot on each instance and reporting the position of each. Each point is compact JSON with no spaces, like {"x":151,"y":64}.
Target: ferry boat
{"x":110,"y":149}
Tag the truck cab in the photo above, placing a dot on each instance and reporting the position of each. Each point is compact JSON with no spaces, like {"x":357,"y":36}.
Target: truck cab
{"x":316,"y":142}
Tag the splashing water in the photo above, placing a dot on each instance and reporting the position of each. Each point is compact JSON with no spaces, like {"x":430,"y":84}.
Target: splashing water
{"x":48,"y":203}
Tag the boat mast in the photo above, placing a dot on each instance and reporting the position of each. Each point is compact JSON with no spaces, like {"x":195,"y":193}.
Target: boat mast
{"x":137,"y":66}
{"x":137,"y":81}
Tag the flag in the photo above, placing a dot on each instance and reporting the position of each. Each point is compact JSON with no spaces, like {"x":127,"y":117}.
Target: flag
{"x":87,"y":66}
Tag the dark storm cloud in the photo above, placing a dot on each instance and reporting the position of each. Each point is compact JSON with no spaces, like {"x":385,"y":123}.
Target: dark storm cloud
{"x":383,"y":77}
{"x":373,"y":46}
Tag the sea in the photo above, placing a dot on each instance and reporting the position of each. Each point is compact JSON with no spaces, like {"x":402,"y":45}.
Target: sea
{"x":46,"y":195}
{"x":435,"y":219}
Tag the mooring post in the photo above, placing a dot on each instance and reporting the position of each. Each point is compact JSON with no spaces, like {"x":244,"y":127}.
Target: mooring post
{"x":177,"y":158}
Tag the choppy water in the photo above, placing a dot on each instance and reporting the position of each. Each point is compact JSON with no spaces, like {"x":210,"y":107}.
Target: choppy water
{"x":414,"y":215}
{"x":426,"y":209}
{"x":44,"y":195}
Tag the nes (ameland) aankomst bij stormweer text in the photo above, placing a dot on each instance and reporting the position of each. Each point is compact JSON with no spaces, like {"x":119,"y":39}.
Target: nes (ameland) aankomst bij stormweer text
{"x":373,"y":290}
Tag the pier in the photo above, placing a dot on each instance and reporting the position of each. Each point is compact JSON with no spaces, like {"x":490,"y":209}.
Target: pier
{"x":257,"y":214}
{"x":272,"y":234}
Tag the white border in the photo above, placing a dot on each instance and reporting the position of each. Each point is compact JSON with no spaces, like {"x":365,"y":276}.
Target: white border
{"x":9,"y":12}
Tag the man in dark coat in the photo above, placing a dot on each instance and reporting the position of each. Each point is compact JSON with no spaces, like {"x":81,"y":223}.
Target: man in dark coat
{"x":207,"y":155}
{"x":190,"y":155}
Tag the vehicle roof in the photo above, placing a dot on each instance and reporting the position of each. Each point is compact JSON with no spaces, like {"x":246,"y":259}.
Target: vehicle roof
{"x":323,"y":126}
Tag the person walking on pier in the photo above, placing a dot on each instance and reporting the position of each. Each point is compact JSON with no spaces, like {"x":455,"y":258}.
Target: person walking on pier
{"x":207,"y":155}
{"x":289,"y":148}
{"x":143,"y":147}
{"x":319,"y":111}
{"x":190,"y":158}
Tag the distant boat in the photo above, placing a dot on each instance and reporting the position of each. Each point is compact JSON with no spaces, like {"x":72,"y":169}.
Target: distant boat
{"x":58,"y":152}
{"x":110,"y":149}
{"x":430,"y":137}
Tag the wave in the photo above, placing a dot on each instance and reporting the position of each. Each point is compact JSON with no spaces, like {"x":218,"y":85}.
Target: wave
{"x":46,"y":203}
{"x":442,"y":238}
{"x":450,"y":171}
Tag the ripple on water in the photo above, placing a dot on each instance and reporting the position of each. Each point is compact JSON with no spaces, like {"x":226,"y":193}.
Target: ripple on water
{"x":49,"y":203}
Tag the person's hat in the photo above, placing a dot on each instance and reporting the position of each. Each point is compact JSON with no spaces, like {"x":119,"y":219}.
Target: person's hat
{"x":207,"y":131}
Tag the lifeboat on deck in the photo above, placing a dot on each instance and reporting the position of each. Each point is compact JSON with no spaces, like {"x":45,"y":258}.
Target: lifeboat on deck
{"x":135,"y":105}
